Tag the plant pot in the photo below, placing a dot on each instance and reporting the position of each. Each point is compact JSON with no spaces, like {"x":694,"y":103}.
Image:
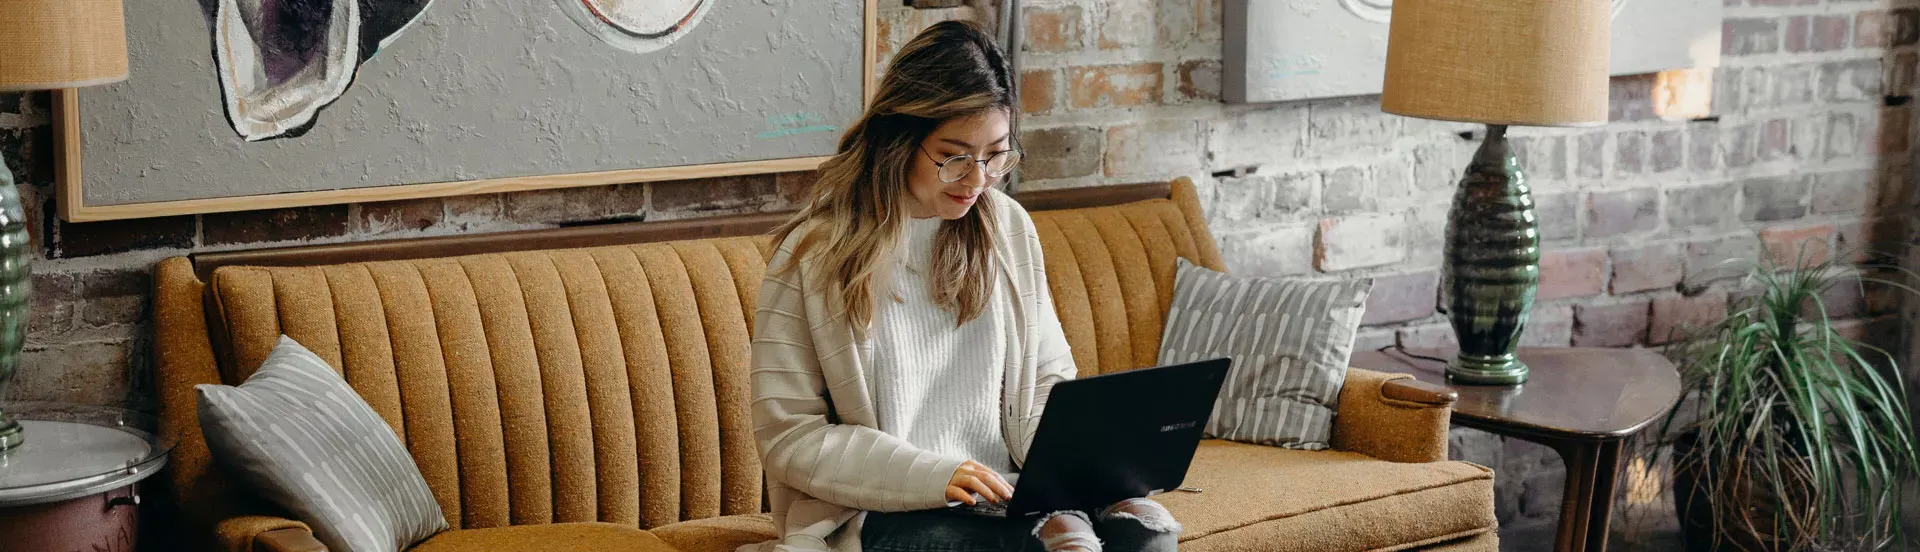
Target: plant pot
{"x":1752,"y":517}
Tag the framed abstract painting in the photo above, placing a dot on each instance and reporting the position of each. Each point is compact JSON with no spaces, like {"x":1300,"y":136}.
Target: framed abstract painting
{"x":255,"y":104}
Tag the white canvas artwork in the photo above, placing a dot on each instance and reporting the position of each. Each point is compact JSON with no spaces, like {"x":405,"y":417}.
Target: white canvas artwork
{"x":1280,"y":50}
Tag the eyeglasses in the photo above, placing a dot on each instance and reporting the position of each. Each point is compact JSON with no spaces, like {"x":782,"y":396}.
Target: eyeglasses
{"x":954,"y":168}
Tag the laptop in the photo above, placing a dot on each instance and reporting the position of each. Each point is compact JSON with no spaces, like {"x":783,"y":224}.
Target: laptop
{"x":1111,"y":437}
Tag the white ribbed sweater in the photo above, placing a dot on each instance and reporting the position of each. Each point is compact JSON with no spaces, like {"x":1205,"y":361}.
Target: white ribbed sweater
{"x":934,"y":384}
{"x":814,"y":418}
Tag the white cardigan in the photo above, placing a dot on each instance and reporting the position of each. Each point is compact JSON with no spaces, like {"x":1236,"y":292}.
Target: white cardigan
{"x":826,"y":460}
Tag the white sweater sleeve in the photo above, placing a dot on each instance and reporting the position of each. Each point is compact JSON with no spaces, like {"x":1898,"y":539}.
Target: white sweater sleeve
{"x":801,"y":443}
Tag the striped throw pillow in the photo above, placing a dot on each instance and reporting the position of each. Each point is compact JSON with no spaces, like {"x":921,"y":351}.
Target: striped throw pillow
{"x":301,"y":437}
{"x":1289,"y":339}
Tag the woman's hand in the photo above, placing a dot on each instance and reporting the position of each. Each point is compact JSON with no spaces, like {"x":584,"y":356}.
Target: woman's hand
{"x":971,"y":478}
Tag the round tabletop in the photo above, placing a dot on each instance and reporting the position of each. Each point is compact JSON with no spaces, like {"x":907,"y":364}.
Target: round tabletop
{"x":73,"y":451}
{"x":1573,"y":392}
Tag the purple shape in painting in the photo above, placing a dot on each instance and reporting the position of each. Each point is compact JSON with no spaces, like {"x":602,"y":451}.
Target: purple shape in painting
{"x":281,"y":62}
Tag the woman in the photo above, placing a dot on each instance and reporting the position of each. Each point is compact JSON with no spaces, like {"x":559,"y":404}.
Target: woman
{"x":905,"y":341}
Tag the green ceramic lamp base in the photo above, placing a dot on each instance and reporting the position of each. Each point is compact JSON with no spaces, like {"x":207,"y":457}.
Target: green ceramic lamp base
{"x":1492,"y":265}
{"x":10,"y":434}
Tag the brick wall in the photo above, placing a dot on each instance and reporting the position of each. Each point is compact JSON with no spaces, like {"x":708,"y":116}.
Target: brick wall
{"x":1808,"y":138}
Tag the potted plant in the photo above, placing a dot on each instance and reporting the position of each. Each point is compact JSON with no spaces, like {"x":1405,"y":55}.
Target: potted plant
{"x":1790,"y":435}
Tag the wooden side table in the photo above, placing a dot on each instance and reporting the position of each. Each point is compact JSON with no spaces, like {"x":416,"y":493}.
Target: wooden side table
{"x":1581,"y":402}
{"x":70,"y":486}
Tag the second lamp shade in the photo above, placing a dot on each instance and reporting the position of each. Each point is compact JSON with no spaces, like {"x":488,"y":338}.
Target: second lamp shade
{"x":1509,"y":62}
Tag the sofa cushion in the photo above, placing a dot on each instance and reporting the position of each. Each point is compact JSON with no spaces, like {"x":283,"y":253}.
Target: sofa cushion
{"x":1266,"y":498}
{"x":721,"y":534}
{"x":571,"y":537}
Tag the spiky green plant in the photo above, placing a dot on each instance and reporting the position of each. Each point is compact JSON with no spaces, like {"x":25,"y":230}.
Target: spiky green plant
{"x":1798,"y":436}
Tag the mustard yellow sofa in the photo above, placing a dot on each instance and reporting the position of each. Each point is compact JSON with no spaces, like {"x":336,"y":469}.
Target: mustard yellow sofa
{"x":585,"y":389}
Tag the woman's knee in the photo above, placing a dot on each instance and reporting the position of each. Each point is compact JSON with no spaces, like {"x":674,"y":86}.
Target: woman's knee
{"x":1139,"y":525}
{"x":1150,"y":515}
{"x":1067,"y":532}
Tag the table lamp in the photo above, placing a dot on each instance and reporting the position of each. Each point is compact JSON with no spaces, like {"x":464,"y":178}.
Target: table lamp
{"x":1497,"y":63}
{"x":44,"y":45}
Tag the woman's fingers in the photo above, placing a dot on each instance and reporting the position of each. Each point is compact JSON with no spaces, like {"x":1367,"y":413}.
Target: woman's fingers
{"x":955,"y":493}
{"x":1000,"y":485}
{"x":979,"y":485}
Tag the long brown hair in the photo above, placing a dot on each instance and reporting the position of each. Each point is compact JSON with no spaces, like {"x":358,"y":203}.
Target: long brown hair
{"x":952,"y":70}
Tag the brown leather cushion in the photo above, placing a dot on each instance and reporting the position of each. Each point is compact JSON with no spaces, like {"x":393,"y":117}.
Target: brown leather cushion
{"x":570,"y":537}
{"x":1272,"y":499}
{"x":721,"y":534}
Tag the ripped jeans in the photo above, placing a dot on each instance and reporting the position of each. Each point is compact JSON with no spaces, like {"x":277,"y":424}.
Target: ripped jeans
{"x":1135,"y":525}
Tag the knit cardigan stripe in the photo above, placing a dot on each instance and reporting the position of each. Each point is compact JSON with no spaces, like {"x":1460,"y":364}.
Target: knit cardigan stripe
{"x":825,"y":458}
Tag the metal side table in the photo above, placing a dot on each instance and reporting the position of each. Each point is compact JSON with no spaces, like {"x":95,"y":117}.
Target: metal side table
{"x":71,"y":485}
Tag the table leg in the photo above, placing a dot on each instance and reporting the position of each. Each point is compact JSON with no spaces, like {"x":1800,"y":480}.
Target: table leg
{"x":1580,"y":459}
{"x":1608,"y":463}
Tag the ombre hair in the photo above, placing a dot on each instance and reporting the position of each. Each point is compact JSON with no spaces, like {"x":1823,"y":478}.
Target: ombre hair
{"x":853,"y":223}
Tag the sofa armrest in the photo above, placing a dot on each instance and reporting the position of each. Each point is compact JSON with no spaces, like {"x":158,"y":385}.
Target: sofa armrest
{"x":1392,"y":417}
{"x":291,"y":539}
{"x":265,"y":534}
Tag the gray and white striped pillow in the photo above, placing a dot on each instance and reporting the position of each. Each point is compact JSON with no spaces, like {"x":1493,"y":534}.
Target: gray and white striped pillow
{"x":1289,"y":339}
{"x":301,"y":437}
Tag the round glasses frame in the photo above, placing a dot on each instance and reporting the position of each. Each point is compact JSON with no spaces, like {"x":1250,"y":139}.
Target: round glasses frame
{"x":1012,"y":157}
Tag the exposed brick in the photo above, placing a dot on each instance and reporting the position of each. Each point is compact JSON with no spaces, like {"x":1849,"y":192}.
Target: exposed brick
{"x":1269,"y":251}
{"x":394,"y":216}
{"x":1861,"y":241}
{"x":299,"y":223}
{"x":1402,"y":297}
{"x":1737,"y":144}
{"x":1548,"y":326}
{"x":1622,"y":212}
{"x":1780,"y":3}
{"x":1199,"y":80}
{"x":1668,"y":151}
{"x":1611,"y":325}
{"x":1630,"y":98}
{"x":1568,"y":273}
{"x":1673,"y":315}
{"x":1702,"y":206}
{"x":1775,"y":138}
{"x":1900,"y":75}
{"x":1773,"y":198}
{"x":1895,"y":126}
{"x":1844,"y":300}
{"x":1725,"y":257}
{"x":1266,"y":136}
{"x":1559,"y":215}
{"x":1060,"y":152}
{"x":1683,"y":94}
{"x":1393,"y":178}
{"x":1651,"y":267}
{"x":568,"y":204}
{"x":1591,"y":155}
{"x":1799,"y":31}
{"x":797,"y":187}
{"x":1906,"y":27}
{"x":118,"y":236}
{"x":1844,"y":192}
{"x":1114,"y":85}
{"x":1703,"y":152}
{"x":1872,"y":29}
{"x":1630,"y":152}
{"x":1158,"y":150}
{"x":1744,"y":36}
{"x":1851,"y":80}
{"x":1792,"y":84}
{"x":1843,"y":136}
{"x":1808,"y":132}
{"x":1797,"y":245}
{"x":1347,"y":126}
{"x":1831,"y":32}
{"x":1346,"y":189}
{"x":731,"y":192}
{"x":1179,"y":20}
{"x":1127,"y":23}
{"x":471,"y":212}
{"x":90,"y":373}
{"x":1728,"y":94}
{"x":1430,"y":336}
{"x":1037,"y":91}
{"x":1053,"y":29}
{"x":1359,"y":241}
{"x":1373,"y":339}
{"x":1268,"y":198}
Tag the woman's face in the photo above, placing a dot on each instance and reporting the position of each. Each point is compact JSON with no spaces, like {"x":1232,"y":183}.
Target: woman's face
{"x":980,"y":136}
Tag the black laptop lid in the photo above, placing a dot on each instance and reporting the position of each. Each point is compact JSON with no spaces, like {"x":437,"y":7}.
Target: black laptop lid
{"x":1116,"y":436}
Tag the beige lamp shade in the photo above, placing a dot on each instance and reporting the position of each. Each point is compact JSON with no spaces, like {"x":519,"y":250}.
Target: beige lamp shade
{"x":48,"y":44}
{"x":1508,"y":62}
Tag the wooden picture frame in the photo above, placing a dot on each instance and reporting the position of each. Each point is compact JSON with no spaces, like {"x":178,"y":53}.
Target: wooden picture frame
{"x":70,"y":180}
